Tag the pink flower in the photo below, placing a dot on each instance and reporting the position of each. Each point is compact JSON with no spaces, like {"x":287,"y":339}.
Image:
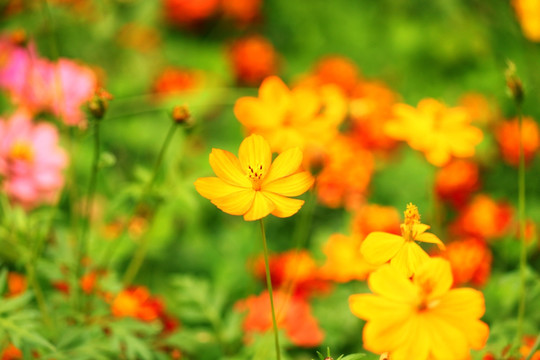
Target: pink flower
{"x":31,"y":162}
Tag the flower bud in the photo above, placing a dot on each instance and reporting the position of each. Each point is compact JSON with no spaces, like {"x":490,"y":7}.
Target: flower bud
{"x":181,"y":115}
{"x":513,"y":82}
{"x":99,"y":103}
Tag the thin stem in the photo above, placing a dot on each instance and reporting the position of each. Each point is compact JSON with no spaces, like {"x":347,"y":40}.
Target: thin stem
{"x":521,"y":214}
{"x":270,"y":292}
{"x":140,"y":254}
{"x":30,"y":270}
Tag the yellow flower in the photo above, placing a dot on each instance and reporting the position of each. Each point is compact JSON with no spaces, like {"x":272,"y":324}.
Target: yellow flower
{"x":252,"y":185}
{"x":402,"y":251}
{"x":438,"y":131}
{"x":420,"y":319}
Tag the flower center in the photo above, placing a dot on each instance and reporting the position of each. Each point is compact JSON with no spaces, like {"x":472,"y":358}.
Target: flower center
{"x":412,"y":218}
{"x":256,"y":175}
{"x":22,"y":150}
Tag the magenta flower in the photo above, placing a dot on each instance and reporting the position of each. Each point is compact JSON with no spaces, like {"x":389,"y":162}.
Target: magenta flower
{"x":31,"y":162}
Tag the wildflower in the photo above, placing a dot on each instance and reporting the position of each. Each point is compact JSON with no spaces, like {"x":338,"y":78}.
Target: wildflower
{"x":421,"y":318}
{"x":470,"y":260}
{"x":88,"y":282}
{"x":344,"y":262}
{"x":336,"y":70}
{"x":484,"y":218}
{"x":252,"y":185}
{"x":528,"y":12}
{"x":242,"y":12}
{"x":439,"y":132}
{"x":136,"y":302}
{"x":99,"y":103}
{"x":294,"y":270}
{"x":16,"y":284}
{"x":31,"y":162}
{"x":173,"y":80}
{"x":189,"y":13}
{"x":294,"y":316}
{"x":345,"y":174}
{"x":11,"y":352}
{"x":456,"y":181}
{"x":181,"y":115}
{"x":402,"y":251}
{"x":374,"y":217}
{"x":304,"y":117}
{"x":507,"y":135}
{"x":252,"y":59}
{"x":481,"y":110}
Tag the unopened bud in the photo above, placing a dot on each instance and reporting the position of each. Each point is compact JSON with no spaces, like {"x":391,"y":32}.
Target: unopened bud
{"x":18,"y":37}
{"x":181,"y":115}
{"x":99,"y":103}
{"x":513,"y":82}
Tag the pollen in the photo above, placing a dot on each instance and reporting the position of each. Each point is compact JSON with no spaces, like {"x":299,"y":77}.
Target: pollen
{"x":256,"y":175}
{"x":22,"y":151}
{"x":412,"y":216}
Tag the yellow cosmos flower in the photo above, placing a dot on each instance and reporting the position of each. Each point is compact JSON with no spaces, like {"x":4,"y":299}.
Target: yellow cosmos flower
{"x":252,"y":185}
{"x":420,"y":319}
{"x":402,"y":251}
{"x":438,"y":131}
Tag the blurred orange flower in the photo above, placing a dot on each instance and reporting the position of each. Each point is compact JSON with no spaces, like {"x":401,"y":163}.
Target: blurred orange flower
{"x":189,"y":12}
{"x":528,"y":13}
{"x":481,"y":110}
{"x":438,"y":131}
{"x":242,"y":11}
{"x":334,"y":69}
{"x":252,"y":185}
{"x":344,"y":262}
{"x":10,"y":352}
{"x":345,"y":175}
{"x":421,"y":318}
{"x":88,"y":282}
{"x":507,"y":134}
{"x":136,"y":302}
{"x":470,"y":260}
{"x":16,"y":284}
{"x":402,"y":251}
{"x":252,"y":59}
{"x":374,"y":217}
{"x":295,"y":271}
{"x":304,"y":116}
{"x":456,"y":181}
{"x":293,"y":315}
{"x":177,"y":80}
{"x":484,"y":218}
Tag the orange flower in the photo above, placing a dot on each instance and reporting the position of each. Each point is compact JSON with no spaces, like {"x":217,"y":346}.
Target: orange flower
{"x":484,"y":218}
{"x":303,"y":117}
{"x":88,"y":282}
{"x":344,"y":262}
{"x":337,"y":70}
{"x":16,"y":284}
{"x":345,"y":175}
{"x":525,"y":349}
{"x":11,"y":353}
{"x":402,"y":251}
{"x":438,"y":131}
{"x":371,"y":108}
{"x":136,"y":302}
{"x":470,"y":260}
{"x":176,"y":80}
{"x":507,"y":135}
{"x":252,"y":185}
{"x":242,"y":11}
{"x":374,"y":217}
{"x":480,"y":109}
{"x":294,"y":269}
{"x":252,"y":59}
{"x":456,"y":181}
{"x":421,"y":318}
{"x":188,"y":12}
{"x":528,"y":13}
{"x":293,"y":315}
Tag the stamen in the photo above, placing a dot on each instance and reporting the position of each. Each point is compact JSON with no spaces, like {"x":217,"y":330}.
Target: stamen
{"x":21,"y":151}
{"x":256,"y":175}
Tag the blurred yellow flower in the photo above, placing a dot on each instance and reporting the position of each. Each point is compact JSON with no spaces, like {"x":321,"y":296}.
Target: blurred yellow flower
{"x":420,"y":319}
{"x":402,"y":251}
{"x":438,"y":131}
{"x":252,"y":185}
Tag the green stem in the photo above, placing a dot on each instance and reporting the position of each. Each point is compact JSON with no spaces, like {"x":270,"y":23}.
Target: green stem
{"x":140,"y":254}
{"x":270,"y":292}
{"x":521,"y":215}
{"x":30,"y":270}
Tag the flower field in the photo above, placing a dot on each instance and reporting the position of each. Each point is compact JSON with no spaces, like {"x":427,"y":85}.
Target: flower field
{"x":269,"y":179}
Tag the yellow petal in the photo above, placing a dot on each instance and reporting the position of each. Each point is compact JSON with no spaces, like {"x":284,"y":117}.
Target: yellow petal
{"x":379,"y":247}
{"x":416,"y":345}
{"x":387,"y":281}
{"x":227,"y":167}
{"x":273,"y":91}
{"x":409,"y":258}
{"x":260,"y":208}
{"x":419,"y":229}
{"x":292,"y":185}
{"x":369,"y":307}
{"x":285,"y":164}
{"x":446,"y":341}
{"x":459,"y":304}
{"x":213,"y":187}
{"x":253,"y":113}
{"x":430,"y":238}
{"x":237,"y":203}
{"x":284,"y":206}
{"x":255,"y":152}
{"x":435,"y":276}
{"x":477,"y":333}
